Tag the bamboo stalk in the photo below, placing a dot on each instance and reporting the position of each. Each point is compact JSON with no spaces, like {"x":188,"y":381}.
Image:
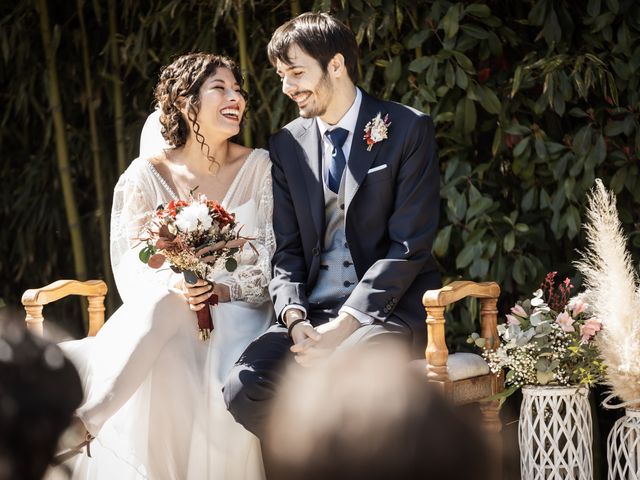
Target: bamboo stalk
{"x":241,"y":34}
{"x":264,"y":101}
{"x":117,"y":89}
{"x":95,"y":154}
{"x":62,"y":150}
{"x":295,"y":8}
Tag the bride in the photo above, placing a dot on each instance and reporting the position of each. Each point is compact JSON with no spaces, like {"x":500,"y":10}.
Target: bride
{"x":153,"y":396}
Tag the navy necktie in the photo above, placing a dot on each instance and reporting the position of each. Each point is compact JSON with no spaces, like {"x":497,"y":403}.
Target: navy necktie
{"x":337,"y":137}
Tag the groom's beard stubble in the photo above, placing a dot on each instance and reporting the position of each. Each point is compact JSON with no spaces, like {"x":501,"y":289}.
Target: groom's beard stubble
{"x":320,"y":96}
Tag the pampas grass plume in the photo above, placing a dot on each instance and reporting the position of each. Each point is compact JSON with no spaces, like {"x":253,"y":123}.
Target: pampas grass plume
{"x":613,"y":294}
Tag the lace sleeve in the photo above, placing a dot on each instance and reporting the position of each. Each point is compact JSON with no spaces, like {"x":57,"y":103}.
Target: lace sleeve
{"x":133,"y":205}
{"x":250,"y":280}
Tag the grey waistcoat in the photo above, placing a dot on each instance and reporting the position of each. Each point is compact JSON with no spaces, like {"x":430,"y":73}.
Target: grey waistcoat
{"x":337,"y":276}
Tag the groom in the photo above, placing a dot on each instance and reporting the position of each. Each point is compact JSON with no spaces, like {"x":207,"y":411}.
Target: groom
{"x":356,"y":201}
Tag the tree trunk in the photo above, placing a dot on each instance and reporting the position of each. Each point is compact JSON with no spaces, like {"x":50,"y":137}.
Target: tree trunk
{"x":62,"y":151}
{"x":241,"y":34}
{"x":118,"y":108}
{"x":95,"y":153}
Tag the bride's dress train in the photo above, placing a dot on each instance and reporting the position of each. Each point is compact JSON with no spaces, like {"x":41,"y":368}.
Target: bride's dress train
{"x":153,"y":389}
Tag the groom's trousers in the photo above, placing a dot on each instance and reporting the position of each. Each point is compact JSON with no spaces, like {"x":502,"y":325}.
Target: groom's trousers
{"x":252,"y":383}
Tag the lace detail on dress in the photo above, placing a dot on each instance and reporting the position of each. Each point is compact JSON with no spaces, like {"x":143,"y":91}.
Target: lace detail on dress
{"x":162,"y":181}
{"x":250,"y":281}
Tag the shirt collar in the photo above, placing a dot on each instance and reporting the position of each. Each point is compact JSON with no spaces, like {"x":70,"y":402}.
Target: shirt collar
{"x":348,"y":120}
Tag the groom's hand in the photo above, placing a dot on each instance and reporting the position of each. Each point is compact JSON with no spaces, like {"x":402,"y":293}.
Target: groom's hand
{"x":301,"y":331}
{"x":331,"y":335}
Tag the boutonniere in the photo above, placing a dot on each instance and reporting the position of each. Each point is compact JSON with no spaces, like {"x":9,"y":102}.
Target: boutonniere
{"x":376,"y":130}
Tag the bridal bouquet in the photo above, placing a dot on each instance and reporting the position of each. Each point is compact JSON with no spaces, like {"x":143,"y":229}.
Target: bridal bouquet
{"x":547,"y":340}
{"x":198,"y":238}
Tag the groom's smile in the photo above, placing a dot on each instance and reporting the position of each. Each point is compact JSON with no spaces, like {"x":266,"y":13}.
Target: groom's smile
{"x":305,"y":82}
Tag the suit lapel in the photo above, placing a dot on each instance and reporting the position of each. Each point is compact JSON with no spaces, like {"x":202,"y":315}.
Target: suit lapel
{"x":360,"y":160}
{"x":308,"y":140}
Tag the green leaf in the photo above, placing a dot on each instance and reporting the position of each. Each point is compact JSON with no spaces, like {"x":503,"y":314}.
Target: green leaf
{"x":462,"y":80}
{"x":593,"y":8}
{"x":449,"y":75}
{"x":464,"y":62}
{"x":617,"y":181}
{"x":489,"y":100}
{"x":528,"y":199}
{"x":517,"y":272}
{"x":478,"y":207}
{"x":466,"y":256}
{"x":146,"y":252}
{"x":420,"y":64}
{"x":417,"y":39}
{"x":475,"y":31}
{"x":522,"y":145}
{"x":450,"y":21}
{"x":545,"y":200}
{"x":517,"y":80}
{"x":538,"y":13}
{"x":573,"y":221}
{"x":509,"y":241}
{"x":469,"y":115}
{"x":441,"y":243}
{"x":394,"y":70}
{"x":614,"y":128}
{"x":479,"y":268}
{"x":478,"y":10}
{"x":517,"y":129}
{"x":502,"y":396}
{"x":474,"y":194}
{"x":231,"y":264}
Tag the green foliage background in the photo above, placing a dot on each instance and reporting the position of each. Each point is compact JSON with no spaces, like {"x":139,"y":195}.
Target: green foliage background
{"x":532,"y":100}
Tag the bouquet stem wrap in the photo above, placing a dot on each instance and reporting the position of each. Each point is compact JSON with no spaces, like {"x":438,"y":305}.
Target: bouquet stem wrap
{"x":205,"y":324}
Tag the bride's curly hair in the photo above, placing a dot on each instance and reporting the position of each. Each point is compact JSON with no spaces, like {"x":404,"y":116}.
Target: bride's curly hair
{"x":179,"y":86}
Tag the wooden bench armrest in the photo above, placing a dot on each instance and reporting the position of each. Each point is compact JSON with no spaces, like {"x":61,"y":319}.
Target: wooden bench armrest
{"x":435,"y":302}
{"x":457,"y":291}
{"x":33,"y":300}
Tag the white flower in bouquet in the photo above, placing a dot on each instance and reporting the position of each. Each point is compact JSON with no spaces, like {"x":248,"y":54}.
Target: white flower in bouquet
{"x":188,"y":219}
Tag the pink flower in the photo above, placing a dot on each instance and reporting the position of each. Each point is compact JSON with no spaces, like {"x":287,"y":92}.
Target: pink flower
{"x":577,"y":307}
{"x":511,"y":320}
{"x":589,"y":329}
{"x":518,"y":310}
{"x":566,"y":322}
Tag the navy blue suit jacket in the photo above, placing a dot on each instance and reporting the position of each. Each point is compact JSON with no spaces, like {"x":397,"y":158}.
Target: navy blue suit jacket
{"x":391,"y":215}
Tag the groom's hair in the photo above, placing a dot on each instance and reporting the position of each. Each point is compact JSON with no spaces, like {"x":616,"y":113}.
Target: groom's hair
{"x":319,"y":35}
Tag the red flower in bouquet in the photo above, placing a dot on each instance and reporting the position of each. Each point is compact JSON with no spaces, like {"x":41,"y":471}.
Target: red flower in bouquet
{"x":182,"y":231}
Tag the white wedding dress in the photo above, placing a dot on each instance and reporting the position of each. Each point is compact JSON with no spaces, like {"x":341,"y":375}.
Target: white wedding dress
{"x":152,"y":388}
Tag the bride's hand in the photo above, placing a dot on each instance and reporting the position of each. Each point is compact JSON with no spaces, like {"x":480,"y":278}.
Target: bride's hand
{"x":197,"y":293}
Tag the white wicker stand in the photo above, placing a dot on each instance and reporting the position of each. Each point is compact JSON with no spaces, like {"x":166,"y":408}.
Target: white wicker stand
{"x":555,"y":434}
{"x":623,"y":447}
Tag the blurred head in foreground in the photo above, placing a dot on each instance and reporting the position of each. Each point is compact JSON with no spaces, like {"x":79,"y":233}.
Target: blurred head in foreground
{"x":364,"y":414}
{"x":39,"y":391}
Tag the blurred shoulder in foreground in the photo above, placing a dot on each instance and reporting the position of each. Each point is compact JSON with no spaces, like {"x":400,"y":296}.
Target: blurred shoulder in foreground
{"x":39,"y":391}
{"x":365,"y":414}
